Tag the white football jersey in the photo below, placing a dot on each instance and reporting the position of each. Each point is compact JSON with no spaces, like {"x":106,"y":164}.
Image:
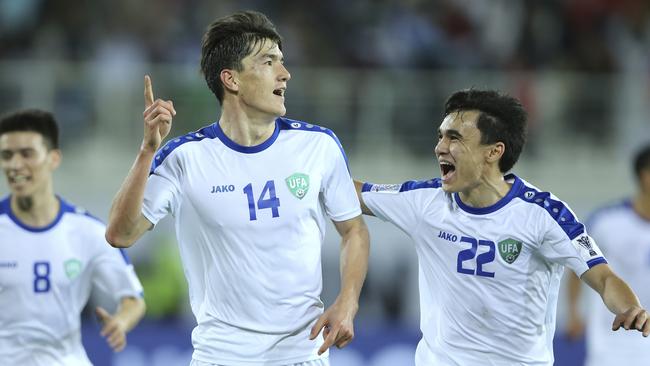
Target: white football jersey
{"x":46,"y":277}
{"x":489,"y":277}
{"x":624,"y":237}
{"x":250,"y":222}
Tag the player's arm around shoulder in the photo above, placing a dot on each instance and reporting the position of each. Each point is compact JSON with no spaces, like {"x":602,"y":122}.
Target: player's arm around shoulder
{"x":338,"y":319}
{"x":359,"y":188}
{"x":115,"y":327}
{"x":126,"y":223}
{"x":619,"y":299}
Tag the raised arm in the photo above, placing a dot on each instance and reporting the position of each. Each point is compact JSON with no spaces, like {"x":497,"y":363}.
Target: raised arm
{"x":358,"y":186}
{"x":619,"y":299}
{"x":126,"y":224}
{"x":115,"y":327}
{"x":338,"y":319}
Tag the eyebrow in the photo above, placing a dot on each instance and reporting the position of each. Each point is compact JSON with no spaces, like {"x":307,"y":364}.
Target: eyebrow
{"x":272,"y":56}
{"x":452,"y":133}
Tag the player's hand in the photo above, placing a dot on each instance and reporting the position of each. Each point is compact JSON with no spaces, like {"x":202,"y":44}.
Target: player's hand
{"x":634,"y":318}
{"x":338,"y":325}
{"x":157,"y":118}
{"x":575,"y":328}
{"x":113,"y":329}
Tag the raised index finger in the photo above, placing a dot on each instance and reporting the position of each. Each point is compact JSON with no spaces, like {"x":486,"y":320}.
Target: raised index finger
{"x":148,"y":93}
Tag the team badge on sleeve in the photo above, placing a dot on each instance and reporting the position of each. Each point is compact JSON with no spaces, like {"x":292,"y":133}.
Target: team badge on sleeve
{"x":587,"y":246}
{"x":298,"y":184}
{"x":509,"y":250}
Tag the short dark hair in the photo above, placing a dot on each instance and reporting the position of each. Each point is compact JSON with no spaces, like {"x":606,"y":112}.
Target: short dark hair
{"x":33,"y":120}
{"x":642,"y":161}
{"x":502,"y":118}
{"x":229,"y":40}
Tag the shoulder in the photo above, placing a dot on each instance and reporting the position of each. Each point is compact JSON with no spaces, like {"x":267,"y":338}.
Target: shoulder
{"x":550,"y":207}
{"x":177,"y":144}
{"x":81,"y":215}
{"x":306,"y":129}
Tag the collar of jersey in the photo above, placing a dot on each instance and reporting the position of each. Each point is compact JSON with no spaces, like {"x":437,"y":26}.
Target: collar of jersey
{"x":63,"y":208}
{"x":245,"y":149}
{"x":516,"y":187}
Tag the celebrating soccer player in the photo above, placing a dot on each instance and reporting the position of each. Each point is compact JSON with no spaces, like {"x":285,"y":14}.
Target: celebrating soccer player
{"x":492,"y":247}
{"x":250,"y":194}
{"x":52,"y":254}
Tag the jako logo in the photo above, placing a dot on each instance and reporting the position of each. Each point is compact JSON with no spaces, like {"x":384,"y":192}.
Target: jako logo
{"x":447,"y":236}
{"x":223,"y":188}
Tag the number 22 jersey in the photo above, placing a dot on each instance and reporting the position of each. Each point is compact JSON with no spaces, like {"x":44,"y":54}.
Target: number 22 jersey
{"x":489,"y":277}
{"x":250,"y":222}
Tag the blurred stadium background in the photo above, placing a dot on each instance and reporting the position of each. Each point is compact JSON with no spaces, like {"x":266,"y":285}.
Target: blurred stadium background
{"x":376,"y":72}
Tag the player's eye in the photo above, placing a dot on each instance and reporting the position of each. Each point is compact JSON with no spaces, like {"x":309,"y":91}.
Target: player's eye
{"x":6,"y":155}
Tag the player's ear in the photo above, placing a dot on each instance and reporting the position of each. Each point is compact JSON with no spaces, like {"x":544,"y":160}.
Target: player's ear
{"x":55,"y":158}
{"x":495,"y":152}
{"x":229,"y":79}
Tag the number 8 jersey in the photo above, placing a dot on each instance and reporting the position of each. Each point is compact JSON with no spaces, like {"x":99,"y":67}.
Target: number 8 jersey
{"x":250,"y":222}
{"x":489,"y":277}
{"x":46,"y":277}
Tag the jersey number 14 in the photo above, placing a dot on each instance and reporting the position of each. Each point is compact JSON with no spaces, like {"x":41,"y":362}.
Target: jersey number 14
{"x":272,"y":202}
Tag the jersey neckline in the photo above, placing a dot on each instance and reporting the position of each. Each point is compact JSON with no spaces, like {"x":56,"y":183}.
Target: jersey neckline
{"x":516,"y":187}
{"x":63,"y":208}
{"x":245,"y":149}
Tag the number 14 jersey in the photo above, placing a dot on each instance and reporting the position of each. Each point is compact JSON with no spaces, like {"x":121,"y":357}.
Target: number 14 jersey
{"x":250,"y":222}
{"x":489,"y":277}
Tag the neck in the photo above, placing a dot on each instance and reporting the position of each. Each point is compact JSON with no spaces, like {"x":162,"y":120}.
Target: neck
{"x":37,"y":210}
{"x":488,"y":192}
{"x":641,"y":204}
{"x":244,"y":128}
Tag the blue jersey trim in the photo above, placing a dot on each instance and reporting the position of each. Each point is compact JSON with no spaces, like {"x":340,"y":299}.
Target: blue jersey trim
{"x":514,"y":191}
{"x":556,"y":208}
{"x":125,"y":256}
{"x":291,"y":124}
{"x":412,"y":185}
{"x":245,"y":149}
{"x":595,"y":261}
{"x":205,"y":132}
{"x":5,"y":208}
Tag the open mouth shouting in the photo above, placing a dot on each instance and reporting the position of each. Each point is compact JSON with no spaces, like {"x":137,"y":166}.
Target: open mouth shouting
{"x":279,"y":92}
{"x":447,"y":170}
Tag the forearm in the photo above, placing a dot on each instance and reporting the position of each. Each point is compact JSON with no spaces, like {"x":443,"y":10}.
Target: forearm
{"x":125,"y":214}
{"x":354,"y":263}
{"x":617,"y":295}
{"x":130,"y":311}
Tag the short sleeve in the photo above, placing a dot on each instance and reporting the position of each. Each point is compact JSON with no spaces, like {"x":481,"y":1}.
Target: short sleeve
{"x":113,"y":274}
{"x":566,"y":242}
{"x":162,"y":194}
{"x":400,"y":204}
{"x":339,"y":195}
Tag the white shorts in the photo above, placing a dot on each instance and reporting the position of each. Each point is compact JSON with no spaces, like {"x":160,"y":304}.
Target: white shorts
{"x":318,"y":362}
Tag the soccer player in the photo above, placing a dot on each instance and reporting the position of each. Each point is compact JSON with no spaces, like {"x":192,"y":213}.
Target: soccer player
{"x":250,"y":194}
{"x":623,"y":233}
{"x":491,"y":247}
{"x":52,"y":254}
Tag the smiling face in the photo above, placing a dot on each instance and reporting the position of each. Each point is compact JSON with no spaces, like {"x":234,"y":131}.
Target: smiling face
{"x":27,"y":162}
{"x":262,"y":82}
{"x":463,"y":159}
